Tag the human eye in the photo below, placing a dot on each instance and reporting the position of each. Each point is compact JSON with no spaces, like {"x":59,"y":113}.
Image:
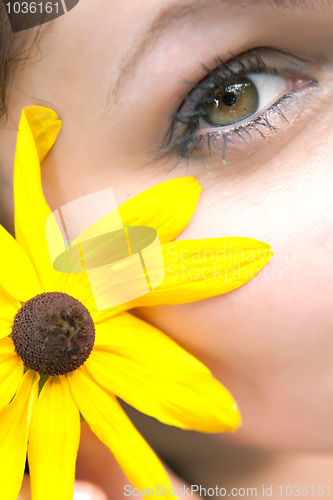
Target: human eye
{"x":241,"y":100}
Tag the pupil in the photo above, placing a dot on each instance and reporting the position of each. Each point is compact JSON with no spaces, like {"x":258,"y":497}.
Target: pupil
{"x":229,"y":99}
{"x":233,"y":103}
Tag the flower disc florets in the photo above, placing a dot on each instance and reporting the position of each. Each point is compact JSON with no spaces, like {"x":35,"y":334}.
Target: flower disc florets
{"x":53,"y":333}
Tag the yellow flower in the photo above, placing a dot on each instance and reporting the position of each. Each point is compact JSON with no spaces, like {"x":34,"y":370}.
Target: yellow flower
{"x":82,"y":359}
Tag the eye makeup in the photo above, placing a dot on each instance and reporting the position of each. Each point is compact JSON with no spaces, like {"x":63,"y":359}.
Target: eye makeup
{"x":244,"y":99}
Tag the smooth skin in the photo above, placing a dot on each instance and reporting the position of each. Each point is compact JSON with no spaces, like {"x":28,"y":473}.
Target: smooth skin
{"x":114,"y":71}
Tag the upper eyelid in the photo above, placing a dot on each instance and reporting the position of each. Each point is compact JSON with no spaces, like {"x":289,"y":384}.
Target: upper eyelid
{"x":256,"y":56}
{"x":236,"y":66}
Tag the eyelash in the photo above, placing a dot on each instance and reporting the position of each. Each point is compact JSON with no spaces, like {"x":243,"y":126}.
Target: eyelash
{"x":196,"y":102}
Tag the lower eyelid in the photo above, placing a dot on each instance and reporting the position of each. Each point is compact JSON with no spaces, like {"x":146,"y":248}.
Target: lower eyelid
{"x":275,"y":119}
{"x":192,"y":134}
{"x":205,"y":128}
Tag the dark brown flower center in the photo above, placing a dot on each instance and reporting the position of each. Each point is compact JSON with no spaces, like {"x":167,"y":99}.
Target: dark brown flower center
{"x":53,"y":333}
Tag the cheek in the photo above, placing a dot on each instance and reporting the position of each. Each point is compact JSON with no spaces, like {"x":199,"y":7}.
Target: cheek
{"x":280,"y":319}
{"x":284,"y":314}
{"x":270,"y":342}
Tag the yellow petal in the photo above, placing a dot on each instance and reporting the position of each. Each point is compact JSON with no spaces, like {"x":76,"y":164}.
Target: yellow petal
{"x":17,"y":274}
{"x":53,"y":442}
{"x":78,"y":286}
{"x":5,"y":328}
{"x":14,"y":428}
{"x":8,"y":308}
{"x":45,"y":127}
{"x":11,"y":372}
{"x":167,"y":207}
{"x":109,"y":422}
{"x":199,"y":269}
{"x":31,"y":209}
{"x":103,"y":316}
{"x":148,"y":370}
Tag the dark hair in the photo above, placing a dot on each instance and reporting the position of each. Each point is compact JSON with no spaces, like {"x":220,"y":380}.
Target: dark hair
{"x":13,"y":48}
{"x":7,"y":55}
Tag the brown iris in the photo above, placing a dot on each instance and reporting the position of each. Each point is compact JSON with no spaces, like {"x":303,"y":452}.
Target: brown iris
{"x":53,"y":333}
{"x":233,"y":103}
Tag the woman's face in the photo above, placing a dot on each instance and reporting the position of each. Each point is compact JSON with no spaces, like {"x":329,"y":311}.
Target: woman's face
{"x":116,"y":72}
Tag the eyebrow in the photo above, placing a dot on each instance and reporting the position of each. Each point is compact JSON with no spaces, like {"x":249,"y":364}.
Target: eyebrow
{"x":177,"y":12}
